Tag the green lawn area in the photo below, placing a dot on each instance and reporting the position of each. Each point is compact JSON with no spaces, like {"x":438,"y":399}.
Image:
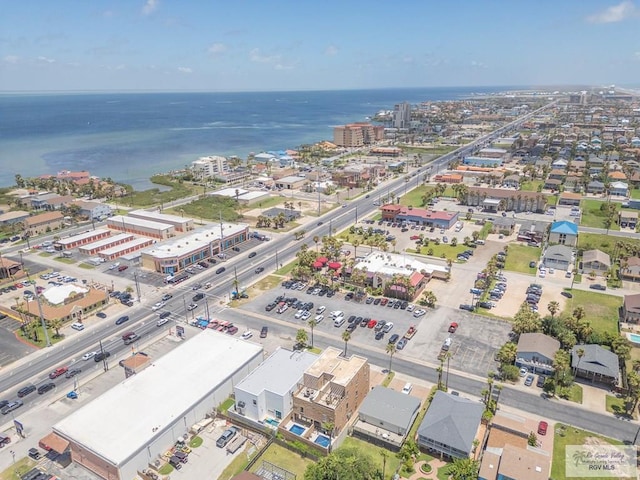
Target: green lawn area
{"x":210,"y":208}
{"x":21,"y":467}
{"x":444,"y":250}
{"x":237,"y":465}
{"x":227,"y":404}
{"x":616,"y":405}
{"x":575,"y":393}
{"x":635,"y":193}
{"x":567,"y":435}
{"x":87,"y":266}
{"x":552,"y":200}
{"x":484,"y":231}
{"x":41,"y":340}
{"x":283,"y":458}
{"x":592,"y":216}
{"x":285,"y":270}
{"x":531,"y":186}
{"x":519,"y":256}
{"x":414,"y":197}
{"x":601,"y":309}
{"x":590,"y":241}
{"x":373,"y":451}
{"x":68,"y":261}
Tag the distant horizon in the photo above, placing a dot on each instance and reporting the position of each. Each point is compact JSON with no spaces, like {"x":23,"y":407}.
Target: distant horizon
{"x":462,"y":87}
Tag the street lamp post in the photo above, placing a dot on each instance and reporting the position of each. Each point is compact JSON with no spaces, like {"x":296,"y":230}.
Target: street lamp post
{"x":42,"y":321}
{"x":186,"y":312}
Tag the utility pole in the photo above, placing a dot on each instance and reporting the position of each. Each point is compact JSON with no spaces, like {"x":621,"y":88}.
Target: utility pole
{"x":135,"y":278}
{"x":186,"y":312}
{"x":42,"y":321}
{"x":356,"y":214}
{"x":277,"y":259}
{"x":221,"y":233}
{"x":105,"y":365}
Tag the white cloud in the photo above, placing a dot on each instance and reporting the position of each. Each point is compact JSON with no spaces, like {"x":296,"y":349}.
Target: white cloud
{"x":613,"y":14}
{"x":331,"y":50}
{"x":256,"y":56}
{"x":150,"y":6}
{"x":637,"y":55}
{"x":11,"y":59}
{"x":279,"y":66}
{"x":119,"y":67}
{"x":407,"y":59}
{"x":46,"y":59}
{"x":217,"y":49}
{"x":476,"y":64}
{"x":185,"y":70}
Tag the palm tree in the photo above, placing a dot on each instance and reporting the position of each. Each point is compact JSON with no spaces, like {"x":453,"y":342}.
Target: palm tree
{"x":301,"y":337}
{"x":316,"y":239}
{"x":312,"y":324}
{"x":346,"y":336}
{"x":56,"y":323}
{"x":553,"y":308}
{"x":391,"y":350}
{"x":580,"y":353}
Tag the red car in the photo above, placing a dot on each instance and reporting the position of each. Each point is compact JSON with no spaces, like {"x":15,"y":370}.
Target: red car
{"x":542,"y":428}
{"x":57,"y":372}
{"x":372,"y":323}
{"x":4,"y":441}
{"x":414,"y":237}
{"x":453,"y":327}
{"x":384,"y":301}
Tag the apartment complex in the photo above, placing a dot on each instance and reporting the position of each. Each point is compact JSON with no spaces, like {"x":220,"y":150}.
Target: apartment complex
{"x":208,"y":167}
{"x":357,"y":134}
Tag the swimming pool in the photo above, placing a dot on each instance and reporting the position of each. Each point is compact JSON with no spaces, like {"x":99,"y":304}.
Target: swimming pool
{"x":297,"y":429}
{"x":634,"y":337}
{"x":273,"y":422}
{"x":322,"y":441}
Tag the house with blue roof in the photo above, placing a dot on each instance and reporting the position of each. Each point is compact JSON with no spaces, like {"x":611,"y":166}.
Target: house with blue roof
{"x":564,"y":233}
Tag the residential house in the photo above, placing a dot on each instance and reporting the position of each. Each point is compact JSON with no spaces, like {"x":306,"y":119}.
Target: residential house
{"x":596,"y":187}
{"x":617,"y":176}
{"x":627,"y":219}
{"x":533,"y":231}
{"x":51,"y":201}
{"x":511,"y":181}
{"x":619,"y":189}
{"x":93,"y":210}
{"x":556,"y":174}
{"x":386,"y":416}
{"x":503,"y":225}
{"x":563,"y":232}
{"x":332,"y":389}
{"x":8,"y":268}
{"x":11,"y":218}
{"x":560,"y":164}
{"x":552,"y":184}
{"x":595,"y":261}
{"x":631,"y":308}
{"x":536,"y":352}
{"x":595,"y":363}
{"x":630,"y":269}
{"x":515,"y":463}
{"x":450,"y":425}
{"x":290,"y":182}
{"x":267,"y":392}
{"x":494,"y":199}
{"x":569,"y":199}
{"x":43,"y":223}
{"x":560,"y":257}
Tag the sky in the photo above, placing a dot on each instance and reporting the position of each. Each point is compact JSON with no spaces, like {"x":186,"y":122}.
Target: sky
{"x":266,"y":45}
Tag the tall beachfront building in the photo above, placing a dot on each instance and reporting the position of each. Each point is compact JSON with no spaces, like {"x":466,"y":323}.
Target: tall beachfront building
{"x":402,"y":115}
{"x":206,"y":167}
{"x":357,"y":134}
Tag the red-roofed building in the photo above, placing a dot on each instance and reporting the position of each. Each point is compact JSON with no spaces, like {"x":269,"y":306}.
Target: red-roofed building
{"x":419,"y":216}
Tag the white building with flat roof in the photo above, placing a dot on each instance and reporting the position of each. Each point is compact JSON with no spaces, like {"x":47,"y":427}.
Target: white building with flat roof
{"x":131,"y":425}
{"x":126,"y":248}
{"x":84,"y":238}
{"x":141,"y":226}
{"x":174,"y":256}
{"x":104,"y":243}
{"x":181,"y":224}
{"x":268,"y":391}
{"x":208,"y":167}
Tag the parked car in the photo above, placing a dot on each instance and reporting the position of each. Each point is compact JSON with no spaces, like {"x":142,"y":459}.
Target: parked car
{"x":597,"y":286}
{"x":226,"y":437}
{"x":394,"y":338}
{"x":11,"y":406}
{"x":453,"y":327}
{"x":24,"y":391}
{"x":264,"y":332}
{"x":100,"y":356}
{"x":401,"y":344}
{"x":541,"y":380}
{"x":42,"y":389}
{"x":57,"y":372}
{"x":247,"y":335}
{"x":542,"y":428}
{"x":529,"y":380}
{"x":467,"y":307}
{"x":419,"y":313}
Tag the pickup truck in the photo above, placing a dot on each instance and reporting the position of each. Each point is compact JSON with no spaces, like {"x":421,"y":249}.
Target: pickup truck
{"x":58,"y":372}
{"x":410,"y":332}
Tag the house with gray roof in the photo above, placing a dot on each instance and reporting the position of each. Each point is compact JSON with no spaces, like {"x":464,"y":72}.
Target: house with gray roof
{"x":631,"y":308}
{"x":267,"y":392}
{"x":559,"y":256}
{"x":595,"y":186}
{"x":386,"y":416}
{"x":536,"y":352}
{"x":450,"y":425}
{"x":595,"y":363}
{"x":595,"y":261}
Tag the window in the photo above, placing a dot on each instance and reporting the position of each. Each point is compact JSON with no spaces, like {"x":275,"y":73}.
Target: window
{"x":254,"y":402}
{"x":278,"y":415}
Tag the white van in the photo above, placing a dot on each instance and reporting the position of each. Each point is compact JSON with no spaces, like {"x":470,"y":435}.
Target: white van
{"x":447,"y":344}
{"x":338,"y":321}
{"x":479,"y":242}
{"x":407,"y":388}
{"x":337,"y":313}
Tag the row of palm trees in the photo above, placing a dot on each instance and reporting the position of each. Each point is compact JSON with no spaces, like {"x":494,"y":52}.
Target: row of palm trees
{"x":276,"y":222}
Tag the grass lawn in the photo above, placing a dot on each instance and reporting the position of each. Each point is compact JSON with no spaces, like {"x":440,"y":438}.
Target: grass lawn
{"x":285,"y":270}
{"x":388,"y":378}
{"x":567,"y":435}
{"x":87,"y":266}
{"x":154,"y":196}
{"x":68,"y":261}
{"x":45,"y":254}
{"x":601,"y":309}
{"x":485,"y":230}
{"x":237,"y":465}
{"x":373,"y":452}
{"x":575,"y":393}
{"x":210,"y":208}
{"x":41,"y":340}
{"x":227,"y":404}
{"x":635,"y":193}
{"x":616,"y":406}
{"x":283,"y":458}
{"x":268,"y":202}
{"x":444,"y":250}
{"x":592,"y":216}
{"x":552,"y":200}
{"x":519,"y":256}
{"x":531,"y":186}
{"x":414,"y":197}
{"x":21,"y":467}
{"x":591,"y":241}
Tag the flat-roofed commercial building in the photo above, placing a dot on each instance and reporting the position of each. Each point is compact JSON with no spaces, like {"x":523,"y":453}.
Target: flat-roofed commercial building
{"x":81,"y":239}
{"x":174,"y":256}
{"x":181,"y":224}
{"x":133,"y":424}
{"x":108,"y":242}
{"x":126,"y":248}
{"x":140,"y":226}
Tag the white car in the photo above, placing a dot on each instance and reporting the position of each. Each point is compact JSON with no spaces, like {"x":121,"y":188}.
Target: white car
{"x":158,"y":306}
{"x":299,"y":314}
{"x":321,"y":309}
{"x":247,"y":335}
{"x":410,"y":307}
{"x":319,"y":318}
{"x":419,"y":313}
{"x":161,"y":322}
{"x":387,"y":327}
{"x":192,"y":306}
{"x":305,"y":315}
{"x":78,"y":326}
{"x":89,"y":356}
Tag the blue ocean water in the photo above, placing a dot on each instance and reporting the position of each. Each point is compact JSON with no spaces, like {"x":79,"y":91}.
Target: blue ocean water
{"x":131,"y":136}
